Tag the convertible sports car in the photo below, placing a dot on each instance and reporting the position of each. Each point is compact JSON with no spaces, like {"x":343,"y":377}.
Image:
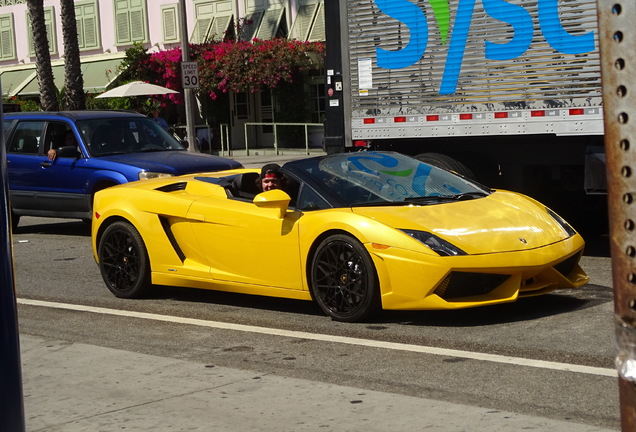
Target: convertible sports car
{"x":355,"y":232}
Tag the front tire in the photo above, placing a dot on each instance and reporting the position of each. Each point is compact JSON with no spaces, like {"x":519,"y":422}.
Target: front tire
{"x":343,"y":279}
{"x":123,"y":260}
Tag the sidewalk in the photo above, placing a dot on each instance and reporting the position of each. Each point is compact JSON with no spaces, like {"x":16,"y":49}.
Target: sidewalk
{"x":257,"y":159}
{"x":75,"y":387}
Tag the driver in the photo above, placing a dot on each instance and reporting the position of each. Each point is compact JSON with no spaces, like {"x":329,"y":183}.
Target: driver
{"x":271,"y":178}
{"x":69,"y":140}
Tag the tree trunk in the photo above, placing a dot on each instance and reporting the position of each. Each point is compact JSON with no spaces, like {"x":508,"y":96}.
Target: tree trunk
{"x":74,"y":98}
{"x":48,"y":96}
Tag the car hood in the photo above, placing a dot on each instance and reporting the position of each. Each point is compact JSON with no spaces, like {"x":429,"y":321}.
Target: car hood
{"x":177,"y":162}
{"x":501,"y":222}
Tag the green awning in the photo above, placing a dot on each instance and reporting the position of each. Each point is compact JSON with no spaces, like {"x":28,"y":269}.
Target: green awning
{"x":14,"y":80}
{"x":97,"y":74}
{"x":33,"y":87}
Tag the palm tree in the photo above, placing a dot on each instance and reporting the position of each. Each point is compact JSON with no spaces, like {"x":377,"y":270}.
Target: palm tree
{"x":48,"y":97}
{"x":73,"y":80}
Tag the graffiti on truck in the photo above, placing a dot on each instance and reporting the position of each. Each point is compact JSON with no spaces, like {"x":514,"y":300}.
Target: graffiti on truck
{"x":511,"y":15}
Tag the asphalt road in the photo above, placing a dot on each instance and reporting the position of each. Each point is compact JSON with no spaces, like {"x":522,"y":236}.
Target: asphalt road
{"x":527,"y":344}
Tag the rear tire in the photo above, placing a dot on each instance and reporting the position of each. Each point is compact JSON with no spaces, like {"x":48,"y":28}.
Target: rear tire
{"x":123,"y":261}
{"x":446,"y":162}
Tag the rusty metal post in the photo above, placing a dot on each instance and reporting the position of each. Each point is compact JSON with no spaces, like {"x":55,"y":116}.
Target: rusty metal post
{"x":617,"y":37}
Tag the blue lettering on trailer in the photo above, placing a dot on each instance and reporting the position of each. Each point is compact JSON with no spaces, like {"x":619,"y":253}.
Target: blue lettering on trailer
{"x":413,"y":17}
{"x":514,"y":15}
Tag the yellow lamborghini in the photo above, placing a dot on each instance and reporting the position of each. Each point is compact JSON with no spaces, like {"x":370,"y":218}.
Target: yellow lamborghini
{"x":355,"y":232}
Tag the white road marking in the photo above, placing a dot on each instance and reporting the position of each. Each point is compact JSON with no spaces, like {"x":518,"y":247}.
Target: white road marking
{"x":565,"y":367}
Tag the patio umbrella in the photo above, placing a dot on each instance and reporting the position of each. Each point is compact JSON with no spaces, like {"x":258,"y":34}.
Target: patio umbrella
{"x":136,"y":88}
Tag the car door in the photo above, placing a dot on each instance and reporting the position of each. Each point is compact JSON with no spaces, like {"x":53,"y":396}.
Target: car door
{"x":23,"y":164}
{"x":247,"y":244}
{"x":64,"y":180}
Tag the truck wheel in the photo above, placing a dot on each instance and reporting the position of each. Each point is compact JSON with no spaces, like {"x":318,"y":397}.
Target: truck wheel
{"x":446,"y":162}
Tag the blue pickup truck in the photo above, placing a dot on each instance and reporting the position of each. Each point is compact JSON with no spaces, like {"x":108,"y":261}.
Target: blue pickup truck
{"x":57,"y":160}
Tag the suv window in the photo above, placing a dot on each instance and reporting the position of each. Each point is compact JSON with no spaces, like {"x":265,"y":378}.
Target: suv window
{"x":26,"y":138}
{"x":54,"y":137}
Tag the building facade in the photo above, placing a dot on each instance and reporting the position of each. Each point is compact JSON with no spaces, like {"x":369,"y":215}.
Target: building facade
{"x":107,"y":28}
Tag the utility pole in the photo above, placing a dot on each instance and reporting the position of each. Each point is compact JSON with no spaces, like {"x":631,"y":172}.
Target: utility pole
{"x":188,"y":96}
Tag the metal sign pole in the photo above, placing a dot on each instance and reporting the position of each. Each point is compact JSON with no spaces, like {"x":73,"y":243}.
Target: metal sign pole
{"x":188,"y":95}
{"x":618,"y":45}
{"x":11,"y":397}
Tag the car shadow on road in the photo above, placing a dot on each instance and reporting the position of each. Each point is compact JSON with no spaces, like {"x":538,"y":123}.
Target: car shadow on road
{"x":66,"y":228}
{"x":273,"y":304}
{"x":525,"y":309}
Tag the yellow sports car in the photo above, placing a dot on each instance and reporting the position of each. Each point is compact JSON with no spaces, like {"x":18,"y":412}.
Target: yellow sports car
{"x":355,"y":232}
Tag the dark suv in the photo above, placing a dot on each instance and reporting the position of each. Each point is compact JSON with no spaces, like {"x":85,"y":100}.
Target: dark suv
{"x":106,"y":148}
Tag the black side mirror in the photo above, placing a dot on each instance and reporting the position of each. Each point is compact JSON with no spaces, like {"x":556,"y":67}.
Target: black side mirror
{"x":68,"y":152}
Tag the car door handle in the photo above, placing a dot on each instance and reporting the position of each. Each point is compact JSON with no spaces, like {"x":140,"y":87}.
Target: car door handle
{"x":45,"y":164}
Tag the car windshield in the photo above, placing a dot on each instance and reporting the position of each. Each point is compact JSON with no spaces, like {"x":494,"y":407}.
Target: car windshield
{"x":125,"y":135}
{"x":370,"y":178}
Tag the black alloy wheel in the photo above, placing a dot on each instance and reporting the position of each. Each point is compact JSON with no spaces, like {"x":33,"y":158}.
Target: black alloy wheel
{"x":123,"y":260}
{"x":343,"y":279}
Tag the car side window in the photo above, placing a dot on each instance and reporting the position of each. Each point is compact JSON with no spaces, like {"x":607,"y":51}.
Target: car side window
{"x":26,"y":138}
{"x":309,"y":200}
{"x":55,"y":133}
{"x":6,"y":127}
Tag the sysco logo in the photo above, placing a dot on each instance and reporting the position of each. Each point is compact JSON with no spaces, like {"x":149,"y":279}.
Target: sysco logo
{"x":518,"y":18}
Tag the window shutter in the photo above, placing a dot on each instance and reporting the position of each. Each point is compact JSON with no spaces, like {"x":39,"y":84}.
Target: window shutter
{"x":137,"y":26}
{"x":269,"y":26}
{"x":91,"y":34}
{"x":219,"y":27}
{"x":204,"y":14}
{"x":318,"y":28}
{"x":249,"y":30}
{"x":7,"y":44}
{"x":130,"y":21}
{"x":87,"y":25}
{"x":122,"y":27}
{"x":303,"y":21}
{"x":169,"y":18}
{"x":49,"y":22}
{"x":49,"y":19}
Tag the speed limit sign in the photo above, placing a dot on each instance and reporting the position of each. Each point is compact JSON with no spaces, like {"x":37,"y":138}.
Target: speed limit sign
{"x":189,"y":75}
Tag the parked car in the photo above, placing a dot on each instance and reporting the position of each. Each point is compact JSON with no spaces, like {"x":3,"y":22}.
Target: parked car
{"x":355,"y":232}
{"x":102,"y":149}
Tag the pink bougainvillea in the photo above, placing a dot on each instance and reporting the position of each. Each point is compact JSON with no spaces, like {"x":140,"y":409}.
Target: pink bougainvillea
{"x":229,"y":66}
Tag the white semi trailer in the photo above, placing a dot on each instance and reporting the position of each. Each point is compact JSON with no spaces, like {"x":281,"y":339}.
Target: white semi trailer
{"x":511,"y":89}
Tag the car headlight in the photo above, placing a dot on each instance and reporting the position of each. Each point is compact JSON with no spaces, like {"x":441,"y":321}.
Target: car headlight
{"x":566,"y":226}
{"x":436,"y":244}
{"x":145,"y":175}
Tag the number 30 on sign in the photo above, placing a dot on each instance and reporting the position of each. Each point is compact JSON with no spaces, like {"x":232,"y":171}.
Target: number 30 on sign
{"x":189,"y":75}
